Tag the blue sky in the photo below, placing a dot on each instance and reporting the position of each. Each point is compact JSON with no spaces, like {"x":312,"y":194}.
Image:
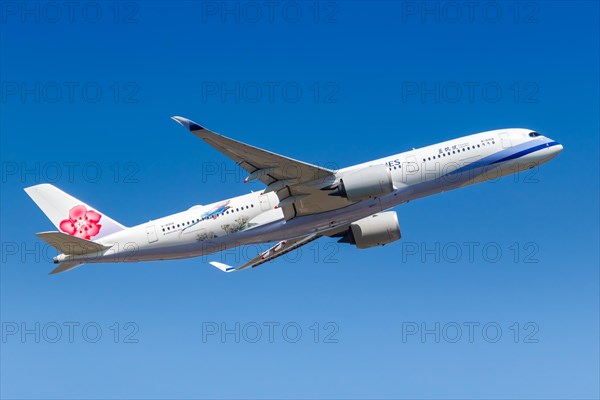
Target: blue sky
{"x":511,"y":265}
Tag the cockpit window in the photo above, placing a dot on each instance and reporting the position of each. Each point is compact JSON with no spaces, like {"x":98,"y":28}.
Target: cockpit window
{"x":534,"y":134}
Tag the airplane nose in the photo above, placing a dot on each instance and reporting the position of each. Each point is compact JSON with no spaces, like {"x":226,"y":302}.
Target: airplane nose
{"x":558,"y":148}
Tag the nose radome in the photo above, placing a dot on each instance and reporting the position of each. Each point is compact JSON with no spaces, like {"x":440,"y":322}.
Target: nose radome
{"x":556,"y":147}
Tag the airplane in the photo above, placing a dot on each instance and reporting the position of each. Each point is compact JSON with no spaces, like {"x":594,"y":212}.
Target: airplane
{"x":300,"y":203}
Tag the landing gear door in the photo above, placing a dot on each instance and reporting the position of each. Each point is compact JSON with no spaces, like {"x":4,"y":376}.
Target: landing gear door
{"x":151,"y":234}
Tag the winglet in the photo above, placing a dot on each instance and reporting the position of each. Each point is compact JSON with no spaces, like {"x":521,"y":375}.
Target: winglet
{"x":188,"y":123}
{"x":222,"y":267}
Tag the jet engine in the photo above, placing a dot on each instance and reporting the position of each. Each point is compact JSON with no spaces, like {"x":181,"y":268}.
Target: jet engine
{"x":365,"y":183}
{"x":375,"y":230}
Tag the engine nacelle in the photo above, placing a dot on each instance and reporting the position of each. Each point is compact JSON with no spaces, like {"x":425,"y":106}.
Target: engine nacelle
{"x":375,"y":230}
{"x":365,"y":183}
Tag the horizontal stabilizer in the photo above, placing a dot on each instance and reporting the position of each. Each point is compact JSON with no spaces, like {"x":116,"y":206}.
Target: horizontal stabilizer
{"x":65,"y":266}
{"x":70,"y":245}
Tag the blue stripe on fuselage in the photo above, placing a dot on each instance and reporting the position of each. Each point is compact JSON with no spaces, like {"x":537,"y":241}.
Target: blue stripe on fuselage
{"x":507,"y":154}
{"x":526,"y":151}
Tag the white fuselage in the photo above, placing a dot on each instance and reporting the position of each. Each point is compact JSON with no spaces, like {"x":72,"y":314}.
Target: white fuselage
{"x":256,"y":218}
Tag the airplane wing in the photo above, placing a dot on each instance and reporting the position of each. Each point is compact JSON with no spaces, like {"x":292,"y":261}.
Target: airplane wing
{"x":296,"y":183}
{"x":279,"y":249}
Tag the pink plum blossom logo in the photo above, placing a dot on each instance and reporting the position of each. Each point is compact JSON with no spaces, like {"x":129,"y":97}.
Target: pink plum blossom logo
{"x":82,"y":223}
